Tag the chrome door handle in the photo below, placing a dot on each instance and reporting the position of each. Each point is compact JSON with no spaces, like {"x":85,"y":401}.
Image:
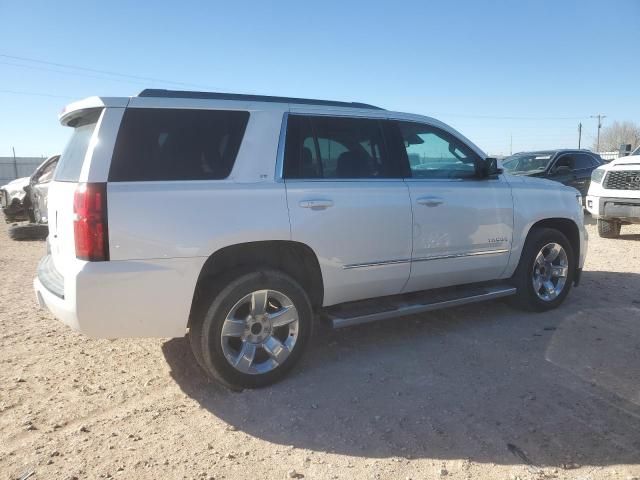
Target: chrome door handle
{"x":430,"y":201}
{"x":316,"y":204}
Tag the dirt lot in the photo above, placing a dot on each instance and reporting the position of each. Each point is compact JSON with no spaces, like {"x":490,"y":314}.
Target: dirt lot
{"x":475,"y":392}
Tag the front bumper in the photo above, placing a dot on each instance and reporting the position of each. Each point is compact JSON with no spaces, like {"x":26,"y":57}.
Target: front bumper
{"x":625,"y":209}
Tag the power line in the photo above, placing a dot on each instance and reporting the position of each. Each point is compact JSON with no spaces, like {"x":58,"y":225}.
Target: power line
{"x":492,"y":117}
{"x":103,"y":72}
{"x":35,"y":94}
{"x":141,"y":80}
{"x":73,"y":74}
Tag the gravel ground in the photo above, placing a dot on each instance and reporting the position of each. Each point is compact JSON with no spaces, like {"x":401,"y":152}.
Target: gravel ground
{"x":480,"y":391}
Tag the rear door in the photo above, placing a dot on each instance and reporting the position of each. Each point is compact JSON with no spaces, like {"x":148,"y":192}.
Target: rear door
{"x":347,"y":201}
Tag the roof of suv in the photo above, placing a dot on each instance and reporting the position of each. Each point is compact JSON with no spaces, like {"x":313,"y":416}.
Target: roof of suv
{"x":72,"y":110}
{"x":159,"y":98}
{"x":160,"y":93}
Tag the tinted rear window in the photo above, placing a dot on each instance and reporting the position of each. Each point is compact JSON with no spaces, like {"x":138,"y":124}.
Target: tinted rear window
{"x":72,"y":158}
{"x":336,"y":147}
{"x":172,"y":144}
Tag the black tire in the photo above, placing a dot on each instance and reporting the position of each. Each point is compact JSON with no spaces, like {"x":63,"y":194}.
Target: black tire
{"x":608,"y":228}
{"x":31,"y":231}
{"x":526,"y":296}
{"x":205,"y":332}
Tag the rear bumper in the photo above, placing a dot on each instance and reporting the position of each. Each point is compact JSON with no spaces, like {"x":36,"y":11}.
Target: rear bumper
{"x":123,"y":298}
{"x":626,"y":209}
{"x":62,"y":310}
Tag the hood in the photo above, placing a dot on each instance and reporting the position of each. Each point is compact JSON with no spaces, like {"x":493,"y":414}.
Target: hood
{"x":528,"y":179}
{"x":532,"y":173}
{"x":630,"y":160}
{"x":18,"y":183}
{"x":15,"y":188}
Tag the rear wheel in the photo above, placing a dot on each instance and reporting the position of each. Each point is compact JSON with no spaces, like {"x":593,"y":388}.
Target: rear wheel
{"x":608,"y":228}
{"x":545,"y":272}
{"x":254,"y":331}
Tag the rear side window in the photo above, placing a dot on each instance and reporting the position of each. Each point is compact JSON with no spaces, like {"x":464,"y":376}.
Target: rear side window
{"x":336,"y":147}
{"x":171,"y":144}
{"x":72,"y":158}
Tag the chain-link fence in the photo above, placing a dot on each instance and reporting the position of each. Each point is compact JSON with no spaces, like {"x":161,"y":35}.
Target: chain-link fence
{"x":21,"y":167}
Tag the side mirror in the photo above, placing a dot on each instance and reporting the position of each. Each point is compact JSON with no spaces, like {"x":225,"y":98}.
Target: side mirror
{"x":487,"y":167}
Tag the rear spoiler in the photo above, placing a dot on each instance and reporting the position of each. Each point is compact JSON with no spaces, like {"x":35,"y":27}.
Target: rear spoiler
{"x":79,"y":108}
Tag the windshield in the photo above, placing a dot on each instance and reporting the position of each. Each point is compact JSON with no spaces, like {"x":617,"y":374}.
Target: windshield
{"x":636,"y":151}
{"x":526,"y":162}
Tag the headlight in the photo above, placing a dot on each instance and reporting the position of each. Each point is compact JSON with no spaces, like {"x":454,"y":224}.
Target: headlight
{"x":597,"y":174}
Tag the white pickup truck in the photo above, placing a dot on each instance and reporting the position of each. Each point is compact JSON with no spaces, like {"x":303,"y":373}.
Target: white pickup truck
{"x":614,"y":194}
{"x":244,"y":219}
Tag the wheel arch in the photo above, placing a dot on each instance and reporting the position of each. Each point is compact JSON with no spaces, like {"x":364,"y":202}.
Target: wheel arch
{"x":293,"y":258}
{"x":567,"y":226}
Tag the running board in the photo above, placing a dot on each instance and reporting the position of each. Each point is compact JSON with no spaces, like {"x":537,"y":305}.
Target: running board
{"x":364,"y":311}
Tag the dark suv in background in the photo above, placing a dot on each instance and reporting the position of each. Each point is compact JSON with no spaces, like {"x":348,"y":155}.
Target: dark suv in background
{"x":570,"y":167}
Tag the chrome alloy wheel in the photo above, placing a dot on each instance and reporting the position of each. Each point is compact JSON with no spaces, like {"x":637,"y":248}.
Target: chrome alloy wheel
{"x":260,"y":332}
{"x":550,"y":271}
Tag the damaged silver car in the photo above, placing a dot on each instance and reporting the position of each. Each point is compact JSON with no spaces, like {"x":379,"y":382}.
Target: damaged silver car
{"x":25,"y":199}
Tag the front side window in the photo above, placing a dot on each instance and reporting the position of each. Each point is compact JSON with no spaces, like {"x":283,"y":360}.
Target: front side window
{"x":172,"y":144}
{"x":336,"y":148}
{"x":434,"y":153}
{"x":565,"y":161}
{"x":584,"y":161}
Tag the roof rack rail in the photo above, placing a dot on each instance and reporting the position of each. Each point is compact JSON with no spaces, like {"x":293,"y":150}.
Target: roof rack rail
{"x":161,"y":93}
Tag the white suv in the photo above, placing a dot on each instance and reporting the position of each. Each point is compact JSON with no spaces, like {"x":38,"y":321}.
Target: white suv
{"x":614,"y":194}
{"x":242,"y":219}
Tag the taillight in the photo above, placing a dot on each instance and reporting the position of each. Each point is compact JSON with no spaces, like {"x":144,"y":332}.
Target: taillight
{"x":90,"y":222}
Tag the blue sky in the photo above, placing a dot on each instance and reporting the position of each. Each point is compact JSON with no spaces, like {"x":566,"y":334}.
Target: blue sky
{"x":492,"y":69}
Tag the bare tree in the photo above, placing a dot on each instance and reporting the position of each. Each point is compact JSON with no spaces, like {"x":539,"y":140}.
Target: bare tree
{"x":618,"y":133}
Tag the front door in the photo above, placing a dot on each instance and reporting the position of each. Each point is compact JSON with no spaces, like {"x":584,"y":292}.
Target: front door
{"x":348,"y":202}
{"x":462,"y":225}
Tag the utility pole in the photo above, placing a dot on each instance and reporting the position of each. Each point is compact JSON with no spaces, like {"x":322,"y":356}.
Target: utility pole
{"x":15,"y":162}
{"x":600,"y":117}
{"x":511,"y":144}
{"x":579,"y":134}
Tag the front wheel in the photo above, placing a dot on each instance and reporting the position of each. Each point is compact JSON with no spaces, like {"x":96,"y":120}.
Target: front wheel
{"x":545,"y":272}
{"x":254,"y":331}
